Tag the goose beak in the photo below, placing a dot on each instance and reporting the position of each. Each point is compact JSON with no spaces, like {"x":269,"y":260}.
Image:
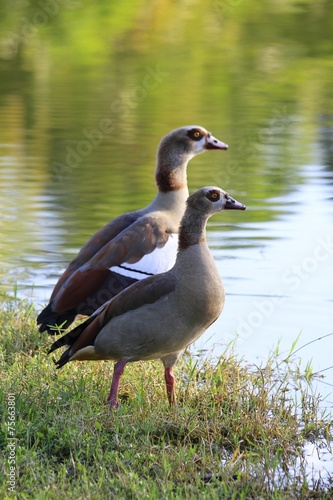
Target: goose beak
{"x":213,"y":143}
{"x":231,"y":204}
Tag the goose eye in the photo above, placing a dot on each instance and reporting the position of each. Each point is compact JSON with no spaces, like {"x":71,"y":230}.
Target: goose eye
{"x":195,"y":134}
{"x":213,"y":195}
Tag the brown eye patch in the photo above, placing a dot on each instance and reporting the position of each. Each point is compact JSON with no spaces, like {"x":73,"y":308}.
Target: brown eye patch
{"x":214,"y":195}
{"x":195,"y":134}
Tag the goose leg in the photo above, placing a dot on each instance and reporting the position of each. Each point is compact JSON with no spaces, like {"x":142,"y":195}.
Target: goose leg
{"x":118,"y":371}
{"x":170,"y":385}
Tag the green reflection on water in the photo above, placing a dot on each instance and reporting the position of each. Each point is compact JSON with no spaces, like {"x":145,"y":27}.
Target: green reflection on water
{"x":87,"y":91}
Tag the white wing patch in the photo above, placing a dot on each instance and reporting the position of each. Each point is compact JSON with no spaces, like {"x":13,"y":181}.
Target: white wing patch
{"x":158,"y":261}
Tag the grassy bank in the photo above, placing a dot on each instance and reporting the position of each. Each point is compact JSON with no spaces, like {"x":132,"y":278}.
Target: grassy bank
{"x":237,"y":433}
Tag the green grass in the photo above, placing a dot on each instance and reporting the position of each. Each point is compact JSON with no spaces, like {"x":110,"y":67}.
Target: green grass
{"x":238,"y":431}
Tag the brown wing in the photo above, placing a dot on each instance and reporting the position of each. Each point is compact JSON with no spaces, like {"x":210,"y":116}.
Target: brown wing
{"x":141,"y":238}
{"x":95,"y":243}
{"x":143,"y":292}
{"x":140,"y":293}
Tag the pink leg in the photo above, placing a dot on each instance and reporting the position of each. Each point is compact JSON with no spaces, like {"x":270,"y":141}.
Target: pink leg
{"x":170,"y":385}
{"x":118,"y":371}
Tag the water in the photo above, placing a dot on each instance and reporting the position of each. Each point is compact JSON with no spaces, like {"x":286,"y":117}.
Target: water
{"x":281,"y":286}
{"x":86,"y":93}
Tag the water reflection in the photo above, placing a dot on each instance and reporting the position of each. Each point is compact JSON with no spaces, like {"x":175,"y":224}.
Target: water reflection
{"x":85,"y":98}
{"x":280,"y":286}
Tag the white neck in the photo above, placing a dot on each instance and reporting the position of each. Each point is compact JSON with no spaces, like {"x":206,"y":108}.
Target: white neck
{"x":171,"y":201}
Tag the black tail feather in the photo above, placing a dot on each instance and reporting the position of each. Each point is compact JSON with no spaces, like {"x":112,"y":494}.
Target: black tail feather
{"x":54,"y":322}
{"x":70,"y":338}
{"x":64,"y":358}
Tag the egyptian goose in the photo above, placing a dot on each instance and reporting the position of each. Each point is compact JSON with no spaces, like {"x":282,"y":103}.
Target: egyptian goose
{"x":162,"y":314}
{"x":134,"y":245}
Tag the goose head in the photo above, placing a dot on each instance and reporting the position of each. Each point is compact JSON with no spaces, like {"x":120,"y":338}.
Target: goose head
{"x":211,"y":199}
{"x":176,"y":149}
{"x":201,"y":205}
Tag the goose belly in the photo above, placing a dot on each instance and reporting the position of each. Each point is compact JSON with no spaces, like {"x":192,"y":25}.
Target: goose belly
{"x":158,"y":261}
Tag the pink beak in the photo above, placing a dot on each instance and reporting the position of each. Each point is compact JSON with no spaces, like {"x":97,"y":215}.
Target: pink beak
{"x":213,"y":143}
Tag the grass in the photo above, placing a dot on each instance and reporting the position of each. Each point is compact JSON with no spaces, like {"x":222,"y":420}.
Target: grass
{"x":238,"y":431}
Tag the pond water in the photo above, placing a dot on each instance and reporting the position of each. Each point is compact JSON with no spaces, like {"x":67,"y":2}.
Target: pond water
{"x":87,"y":92}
